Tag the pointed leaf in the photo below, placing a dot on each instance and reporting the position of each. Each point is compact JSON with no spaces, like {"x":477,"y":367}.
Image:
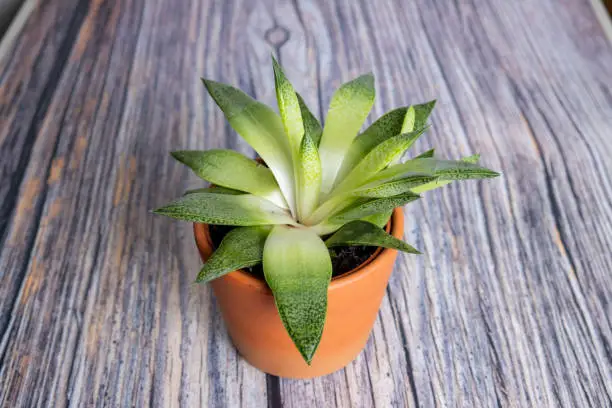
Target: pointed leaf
{"x":348,"y":109}
{"x":226,"y":209}
{"x":407,"y":127}
{"x":262,"y":128}
{"x":312,"y":127}
{"x":309,"y":178}
{"x":241,"y":248}
{"x":430,"y":186}
{"x":365,"y":233}
{"x":396,"y":187}
{"x":417,"y":116}
{"x":215,"y":189}
{"x":379,"y":219}
{"x":298,"y":269}
{"x":400,"y":120}
{"x":227,"y":168}
{"x":462,"y":170}
{"x":472,"y":159}
{"x":289,"y":107}
{"x":443,"y":180}
{"x":388,"y":125}
{"x":375,"y":206}
{"x":443,"y":169}
{"x":377,"y":159}
{"x":408,"y":124}
{"x":426,"y":155}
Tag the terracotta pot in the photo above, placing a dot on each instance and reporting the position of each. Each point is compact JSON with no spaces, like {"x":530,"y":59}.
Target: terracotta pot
{"x":253,"y":323}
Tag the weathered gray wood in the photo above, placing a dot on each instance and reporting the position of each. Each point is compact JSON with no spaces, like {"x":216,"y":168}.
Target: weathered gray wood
{"x":510,"y":306}
{"x":104,"y":313}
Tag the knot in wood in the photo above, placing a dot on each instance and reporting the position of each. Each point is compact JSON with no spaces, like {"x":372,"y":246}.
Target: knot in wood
{"x":277,"y":36}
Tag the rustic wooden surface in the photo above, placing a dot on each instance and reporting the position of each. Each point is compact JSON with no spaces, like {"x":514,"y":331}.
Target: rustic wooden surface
{"x":511,"y":305}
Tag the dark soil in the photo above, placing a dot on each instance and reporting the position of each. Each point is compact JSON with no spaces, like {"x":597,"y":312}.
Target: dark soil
{"x":344,"y":258}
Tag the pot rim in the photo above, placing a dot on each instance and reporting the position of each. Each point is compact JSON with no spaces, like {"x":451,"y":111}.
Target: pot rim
{"x":395,"y":226}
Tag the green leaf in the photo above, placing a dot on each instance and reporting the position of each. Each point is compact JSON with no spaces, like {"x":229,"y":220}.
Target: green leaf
{"x":376,"y":189}
{"x":416,"y":117}
{"x":329,"y":223}
{"x":426,"y":155}
{"x":377,"y":159}
{"x":388,"y":125}
{"x":298,"y":269}
{"x":394,"y":187}
{"x":375,"y":206}
{"x":365,"y":233}
{"x":241,"y":248}
{"x":215,"y":189}
{"x":348,"y":109}
{"x":408,"y":123}
{"x":262,"y":128}
{"x":326,"y":228}
{"x":227,"y":168}
{"x":443,"y":169}
{"x":445,"y":179}
{"x":308,"y":177}
{"x":226,"y":209}
{"x":472,"y":159}
{"x":312,"y":127}
{"x":400,"y":120}
{"x":379,"y":219}
{"x":459,"y":170}
{"x":330,"y":206}
{"x":430,"y":186}
{"x":289,"y":107}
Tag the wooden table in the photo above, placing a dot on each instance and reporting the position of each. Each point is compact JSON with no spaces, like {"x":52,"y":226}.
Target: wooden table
{"x":511,"y":305}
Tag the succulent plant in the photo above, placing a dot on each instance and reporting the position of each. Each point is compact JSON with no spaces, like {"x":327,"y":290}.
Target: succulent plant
{"x":320,"y":187}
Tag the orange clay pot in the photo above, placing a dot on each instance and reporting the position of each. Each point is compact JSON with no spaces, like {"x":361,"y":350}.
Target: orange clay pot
{"x":256,"y":329}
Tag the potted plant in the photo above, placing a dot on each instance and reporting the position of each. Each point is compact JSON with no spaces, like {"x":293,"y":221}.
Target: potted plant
{"x":299,"y":250}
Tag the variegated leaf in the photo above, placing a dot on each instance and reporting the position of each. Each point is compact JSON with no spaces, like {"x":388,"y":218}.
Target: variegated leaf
{"x":365,"y":233}
{"x":396,"y":187}
{"x":226,"y":209}
{"x":215,"y":189}
{"x":308,"y":177}
{"x":227,"y":168}
{"x":262,"y":128}
{"x":426,"y":155}
{"x":388,"y":125}
{"x":417,"y":115}
{"x":312,"y":127}
{"x":289,"y":108}
{"x":298,"y":269}
{"x":443,"y":169}
{"x":377,"y":159}
{"x":442,"y":180}
{"x":348,"y":109}
{"x":241,"y":248}
{"x":374,"y":206}
{"x":379,"y":219}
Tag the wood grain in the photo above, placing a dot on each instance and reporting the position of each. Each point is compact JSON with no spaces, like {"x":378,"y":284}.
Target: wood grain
{"x":509,"y":307}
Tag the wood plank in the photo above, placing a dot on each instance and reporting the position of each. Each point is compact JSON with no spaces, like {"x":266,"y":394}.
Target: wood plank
{"x":106,"y":314}
{"x":506,"y":325}
{"x":29,"y":74}
{"x":468,"y":332}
